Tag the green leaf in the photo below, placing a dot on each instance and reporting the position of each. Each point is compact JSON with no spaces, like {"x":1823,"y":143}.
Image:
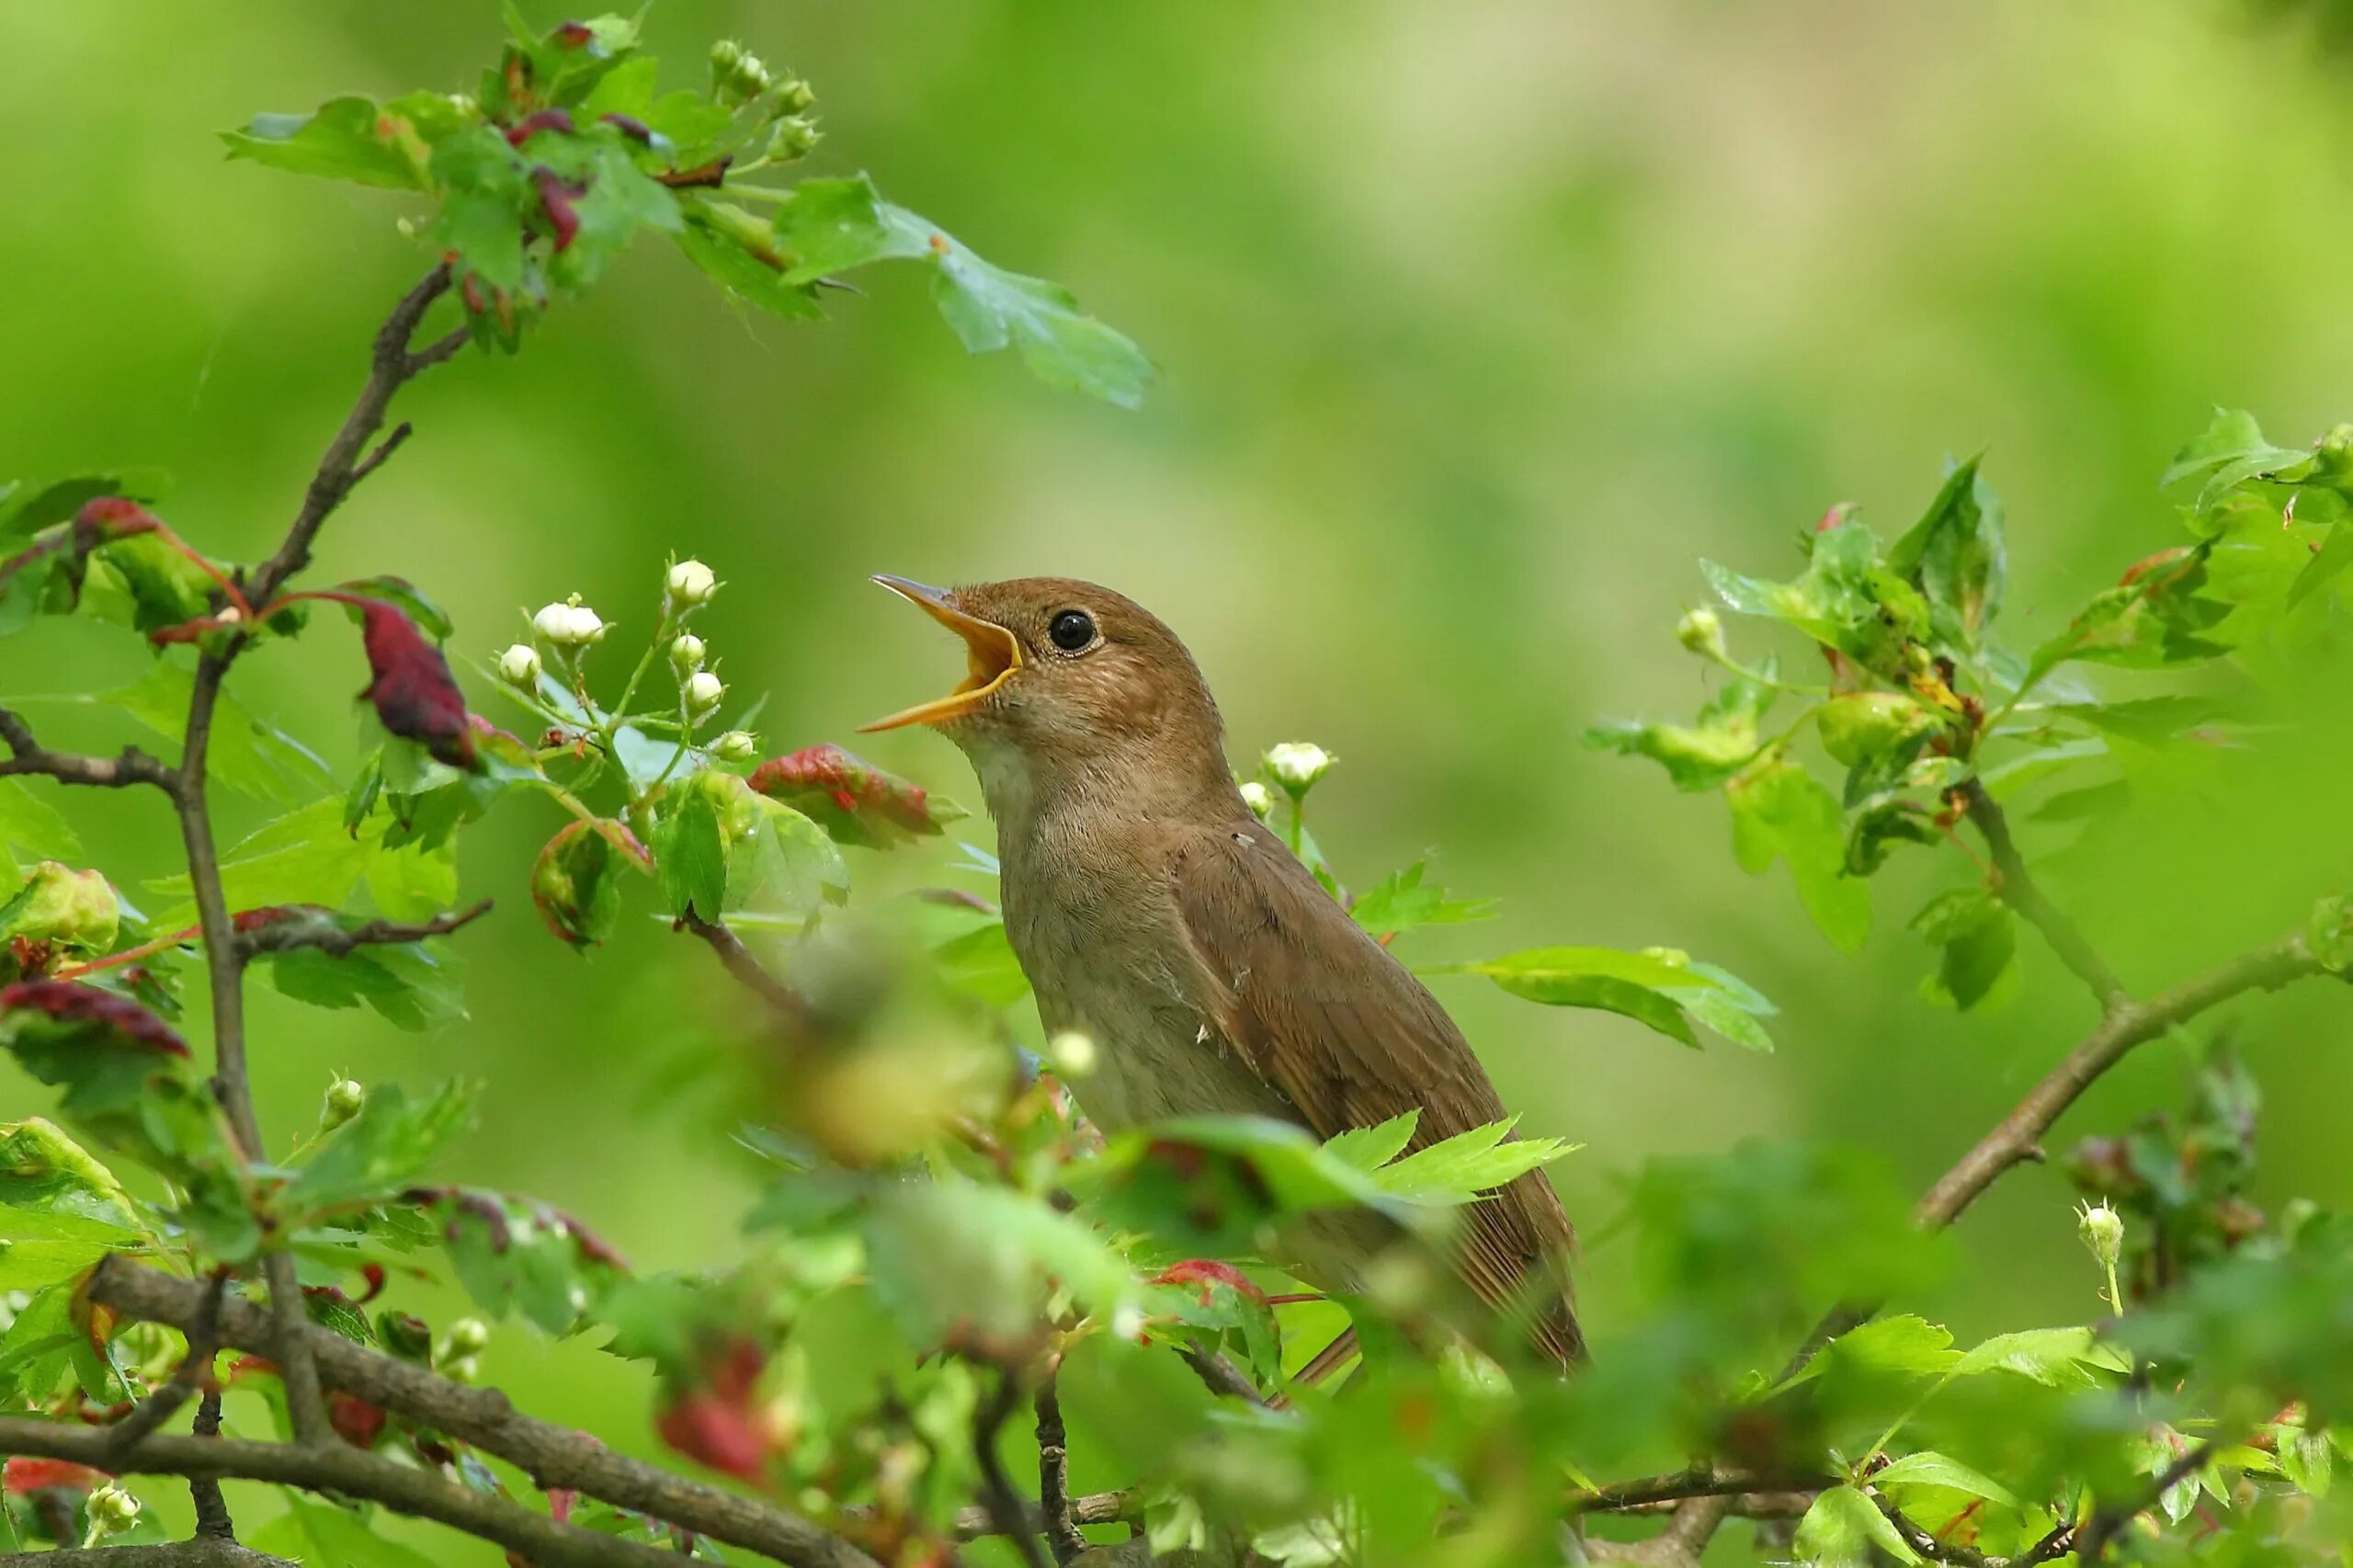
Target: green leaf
{"x":1659,"y":986}
{"x":1978,"y":937}
{"x":44,"y":1173}
{"x":690,"y":856}
{"x":1458,"y":1169}
{"x":1400,"y":903}
{"x":1846,"y":600}
{"x":404,"y":596}
{"x":320,"y":1532}
{"x":380,"y":1152}
{"x":244,"y":754}
{"x":145,"y":584}
{"x":348,"y":139}
{"x":308,"y":857}
{"x":406,"y":985}
{"x":32,"y":823}
{"x":1930,"y":1468}
{"x":1956,"y":556}
{"x":25,"y":512}
{"x":1700,"y":756}
{"x":953,"y":1256}
{"x":2335,"y":553}
{"x":2230,"y":453}
{"x":1843,"y":1528}
{"x":785,"y":864}
{"x":2158,"y":618}
{"x":1902,"y":1346}
{"x":2055,"y":1358}
{"x":486,"y":198}
{"x":511,"y":1254}
{"x":1368,"y":1148}
{"x":980,"y":964}
{"x":728,"y":243}
{"x":832,"y":225}
{"x":1779,"y":811}
{"x":990,"y":308}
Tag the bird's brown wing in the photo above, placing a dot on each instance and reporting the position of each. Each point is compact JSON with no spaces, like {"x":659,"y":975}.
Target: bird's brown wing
{"x":1323,"y":1011}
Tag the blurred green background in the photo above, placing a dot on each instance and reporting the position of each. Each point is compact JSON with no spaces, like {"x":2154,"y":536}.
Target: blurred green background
{"x":1477,"y":324}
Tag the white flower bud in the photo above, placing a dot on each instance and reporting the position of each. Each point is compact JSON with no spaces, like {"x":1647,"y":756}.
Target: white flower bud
{"x":584,"y":626}
{"x":691,"y":582}
{"x":736,"y":746}
{"x":704,"y":691}
{"x":685,"y":654}
{"x":569,"y":624}
{"x":519,"y":666}
{"x":1071,"y":1053}
{"x":469,"y":1337}
{"x":2102,"y":1229}
{"x":1258,"y":798}
{"x":553,"y":622}
{"x":1297,"y":764}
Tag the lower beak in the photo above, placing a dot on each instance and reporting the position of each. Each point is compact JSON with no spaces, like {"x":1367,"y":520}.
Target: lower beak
{"x":992,"y":652}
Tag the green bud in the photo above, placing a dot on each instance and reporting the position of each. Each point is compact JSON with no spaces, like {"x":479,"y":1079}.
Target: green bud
{"x":736,"y":746}
{"x":112,"y":1510}
{"x":2102,"y":1229}
{"x":345,"y":1099}
{"x":1702,"y":632}
{"x":795,"y":136}
{"x":686,"y":653}
{"x":1258,"y":798}
{"x":466,"y":1337}
{"x":795,"y":95}
{"x":1297,"y":764}
{"x":72,"y":910}
{"x":1865,"y":724}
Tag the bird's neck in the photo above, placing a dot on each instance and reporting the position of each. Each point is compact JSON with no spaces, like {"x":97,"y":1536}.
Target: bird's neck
{"x":1032,"y":795}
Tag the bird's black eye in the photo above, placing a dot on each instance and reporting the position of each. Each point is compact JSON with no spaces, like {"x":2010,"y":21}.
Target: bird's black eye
{"x":1071,"y":630}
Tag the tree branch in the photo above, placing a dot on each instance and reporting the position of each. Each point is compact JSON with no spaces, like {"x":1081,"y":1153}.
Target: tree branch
{"x":29,"y":758}
{"x":212,"y":1519}
{"x":335,"y":942}
{"x":336,"y":1466}
{"x":200,"y":1551}
{"x":1094,"y":1508}
{"x":1008,"y":1518}
{"x":194,"y":1373}
{"x":2016,"y":886}
{"x":553,"y":1456}
{"x":791,"y":1008}
{"x":1060,"y":1528}
{"x":2090,"y":1543}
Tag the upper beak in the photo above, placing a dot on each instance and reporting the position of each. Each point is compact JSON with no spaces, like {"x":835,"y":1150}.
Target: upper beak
{"x":992,"y":653}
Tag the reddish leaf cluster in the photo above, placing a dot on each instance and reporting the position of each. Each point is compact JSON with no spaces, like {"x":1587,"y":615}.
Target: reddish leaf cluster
{"x":414,"y":694}
{"x":25,"y":1474}
{"x":71,"y":1003}
{"x":1209,"y":1273}
{"x":111,"y":518}
{"x":851,"y":798}
{"x":557,"y":196}
{"x":719,"y":1423}
{"x":355,"y":1420}
{"x":531,"y":125}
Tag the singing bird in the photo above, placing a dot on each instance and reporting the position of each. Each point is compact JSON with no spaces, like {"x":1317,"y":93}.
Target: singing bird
{"x":1154,"y":914}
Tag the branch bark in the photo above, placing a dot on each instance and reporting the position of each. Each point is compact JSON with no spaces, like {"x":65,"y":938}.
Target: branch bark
{"x":29,"y":758}
{"x":791,"y":1008}
{"x":1008,"y":1518}
{"x":336,"y":1466}
{"x":553,"y":1456}
{"x":200,"y":1551}
{"x":338,"y":943}
{"x":1059,"y":1525}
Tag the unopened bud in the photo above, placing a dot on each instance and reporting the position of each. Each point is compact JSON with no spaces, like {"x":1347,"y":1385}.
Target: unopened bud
{"x":467,"y":1336}
{"x":75,"y":910}
{"x":795,"y":95}
{"x":2102,"y":1229}
{"x":1258,"y":798}
{"x":344,"y":1100}
{"x":1297,"y":764}
{"x":704,"y":692}
{"x":569,"y":624}
{"x":112,"y":1510}
{"x":519,"y":666}
{"x":1702,"y":632}
{"x":685,"y":654}
{"x":795,"y":136}
{"x":736,"y":746}
{"x":691,"y":582}
{"x":1071,"y":1053}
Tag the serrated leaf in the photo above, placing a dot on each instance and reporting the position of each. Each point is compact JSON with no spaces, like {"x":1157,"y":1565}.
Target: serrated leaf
{"x":1704,"y":753}
{"x":1955,"y":554}
{"x":2056,"y":1357}
{"x":511,"y":1254}
{"x":249,"y":757}
{"x":1401,"y":902}
{"x":1977,"y":941}
{"x":1841,"y":1529}
{"x":309,"y":856}
{"x":1366,"y":1148}
{"x":380,"y":1151}
{"x":408,"y":985}
{"x":1779,"y":812}
{"x":346,"y":139}
{"x":1458,"y":1169}
{"x":31,"y":823}
{"x":1930,"y":1468}
{"x":689,"y":855}
{"x":1904,"y":1345}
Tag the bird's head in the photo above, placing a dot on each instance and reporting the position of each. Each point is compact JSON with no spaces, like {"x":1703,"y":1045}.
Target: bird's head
{"x":1069,"y":682}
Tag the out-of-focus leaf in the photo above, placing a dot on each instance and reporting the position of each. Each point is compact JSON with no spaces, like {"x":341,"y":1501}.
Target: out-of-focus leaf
{"x":1978,"y":940}
{"x":2158,"y":616}
{"x":512,"y":1253}
{"x":2228,"y":453}
{"x":979,"y":963}
{"x":380,"y":1151}
{"x":1778,"y":812}
{"x":246,"y":754}
{"x":957,"y":1256}
{"x":309,"y":856}
{"x":24,"y":510}
{"x":31,"y":823}
{"x":1930,"y":1468}
{"x":312,"y":1531}
{"x":1845,"y":1529}
{"x":348,"y":139}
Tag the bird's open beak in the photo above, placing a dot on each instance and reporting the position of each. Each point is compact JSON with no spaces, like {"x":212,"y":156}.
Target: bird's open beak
{"x":992,"y":653}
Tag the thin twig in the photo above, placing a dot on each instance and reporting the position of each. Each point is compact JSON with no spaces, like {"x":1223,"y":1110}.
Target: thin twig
{"x":212,"y":1521}
{"x":997,"y":1496}
{"x":29,"y":758}
{"x":1219,"y":1376}
{"x":336,"y":942}
{"x":790,"y":1007}
{"x":339,"y":1467}
{"x":1094,"y":1508}
{"x":193,"y":1377}
{"x":2016,"y":887}
{"x":553,"y":1456}
{"x":1060,"y":1529}
{"x":1627,"y":1496}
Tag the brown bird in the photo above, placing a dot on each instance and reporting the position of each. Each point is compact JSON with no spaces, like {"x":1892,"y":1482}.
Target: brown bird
{"x":1154,"y":914}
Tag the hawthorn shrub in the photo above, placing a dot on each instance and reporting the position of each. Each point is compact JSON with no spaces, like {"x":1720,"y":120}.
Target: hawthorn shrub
{"x":191,"y":1298}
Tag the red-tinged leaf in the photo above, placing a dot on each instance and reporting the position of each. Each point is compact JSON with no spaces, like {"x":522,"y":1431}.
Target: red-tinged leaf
{"x":24,"y":1475}
{"x":111,"y":518}
{"x":576,"y":881}
{"x":279,"y":914}
{"x":1209,"y":1273}
{"x":573,"y":35}
{"x":414,"y":694}
{"x":82,"y":1015}
{"x":557,"y":198}
{"x":719,"y":1423}
{"x":355,"y":1420}
{"x":851,"y":798}
{"x":531,"y":125}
